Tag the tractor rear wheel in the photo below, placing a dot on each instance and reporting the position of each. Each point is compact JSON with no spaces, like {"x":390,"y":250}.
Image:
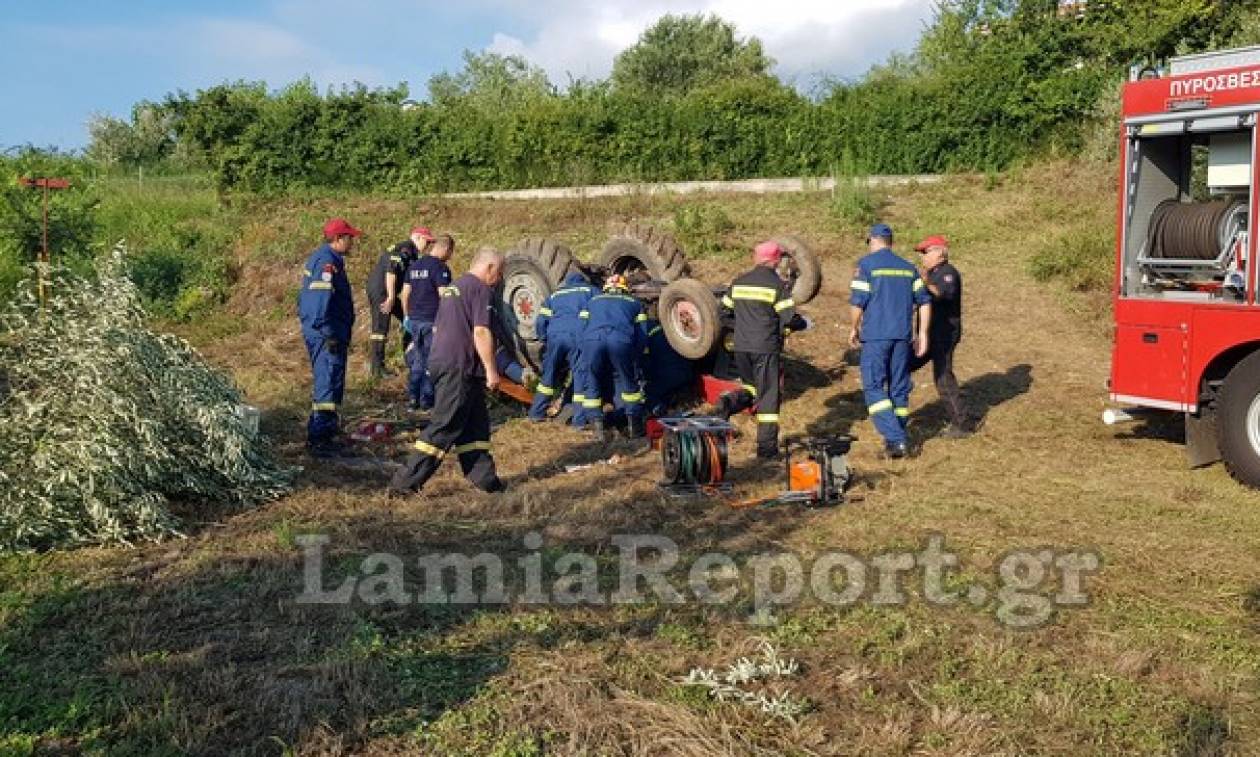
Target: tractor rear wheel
{"x":691,"y":318}
{"x":553,"y":257}
{"x":526,"y":285}
{"x":1238,"y":421}
{"x":800,"y":265}
{"x":636,"y":248}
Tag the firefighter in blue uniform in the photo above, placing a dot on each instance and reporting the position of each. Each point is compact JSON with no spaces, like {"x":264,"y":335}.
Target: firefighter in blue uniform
{"x":884,"y":295}
{"x":559,"y":326}
{"x":612,"y":343}
{"x":666,"y":373}
{"x":326,"y":311}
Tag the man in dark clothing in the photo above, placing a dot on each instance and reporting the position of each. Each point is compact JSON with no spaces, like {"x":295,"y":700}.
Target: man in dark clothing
{"x":462,"y":364}
{"x":559,"y":326}
{"x":427,"y":276}
{"x":384,"y":284}
{"x":764,"y":313}
{"x":612,"y":346}
{"x":945,"y":330}
{"x":666,"y":373}
{"x":326,"y":312}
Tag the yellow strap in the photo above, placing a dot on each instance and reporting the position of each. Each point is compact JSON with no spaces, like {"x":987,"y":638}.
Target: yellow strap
{"x":757,"y":294}
{"x":544,"y":389}
{"x":860,"y":286}
{"x":321,"y":285}
{"x":472,"y":447}
{"x":782,"y":305}
{"x":882,"y":406}
{"x":425,"y":448}
{"x":324,"y":406}
{"x":899,"y":272}
{"x":767,"y":417}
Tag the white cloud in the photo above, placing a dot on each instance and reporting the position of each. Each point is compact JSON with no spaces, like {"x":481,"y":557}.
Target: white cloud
{"x":806,"y":37}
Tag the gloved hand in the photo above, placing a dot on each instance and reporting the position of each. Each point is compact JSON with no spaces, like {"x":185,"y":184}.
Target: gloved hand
{"x":334,"y":345}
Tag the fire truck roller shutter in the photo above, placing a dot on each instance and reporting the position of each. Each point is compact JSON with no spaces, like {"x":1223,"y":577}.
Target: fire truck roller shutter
{"x":1194,"y":231}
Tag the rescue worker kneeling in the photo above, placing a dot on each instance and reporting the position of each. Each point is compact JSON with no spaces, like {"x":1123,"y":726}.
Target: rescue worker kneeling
{"x":613,"y":341}
{"x":764,"y":314}
{"x":463,"y":366}
{"x":559,"y":326}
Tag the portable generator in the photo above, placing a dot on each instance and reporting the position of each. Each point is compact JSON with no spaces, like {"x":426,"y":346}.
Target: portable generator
{"x":817,"y":470}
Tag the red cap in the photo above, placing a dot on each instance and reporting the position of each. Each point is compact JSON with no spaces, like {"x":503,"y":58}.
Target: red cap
{"x":422,"y":231}
{"x":935,"y":240}
{"x":338,"y":227}
{"x":767,"y":252}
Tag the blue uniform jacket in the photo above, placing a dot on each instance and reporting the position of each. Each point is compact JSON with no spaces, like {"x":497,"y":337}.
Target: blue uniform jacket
{"x":325,"y":305}
{"x":663,"y":364}
{"x":887,"y":288}
{"x":619,"y":314}
{"x":561,"y":312}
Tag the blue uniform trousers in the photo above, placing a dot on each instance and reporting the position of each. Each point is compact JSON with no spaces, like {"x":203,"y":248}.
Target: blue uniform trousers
{"x":560,"y":357}
{"x":606,"y":352}
{"x":886,"y":384}
{"x":419,"y":384}
{"x":328,"y":369}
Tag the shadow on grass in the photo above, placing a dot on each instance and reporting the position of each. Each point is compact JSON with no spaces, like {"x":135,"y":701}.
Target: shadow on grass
{"x":170,"y":654}
{"x":980,"y":395}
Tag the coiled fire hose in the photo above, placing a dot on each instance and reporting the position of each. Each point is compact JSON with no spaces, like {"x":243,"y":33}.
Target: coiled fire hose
{"x":694,"y":457}
{"x":1191,"y":231}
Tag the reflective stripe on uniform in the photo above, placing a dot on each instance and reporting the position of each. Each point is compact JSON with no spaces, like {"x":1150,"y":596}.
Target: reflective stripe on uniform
{"x":579,"y":290}
{"x":306,"y":272}
{"x":727,"y":301}
{"x":894,"y":272}
{"x":750,"y":389}
{"x":767,"y":417}
{"x":882,"y":406}
{"x":655,"y":330}
{"x":641,"y":318}
{"x":918,"y":284}
{"x":324,"y":406}
{"x":425,"y":448}
{"x":632,"y":397}
{"x":757,"y":294}
{"x":784,"y":304}
{"x":321,"y":285}
{"x":903,"y":412}
{"x":584,"y":314}
{"x":544,"y":389}
{"x":579,"y":399}
{"x":378,"y":337}
{"x":592,"y":404}
{"x":860,"y":286}
{"x":545,"y":311}
{"x":395,"y":258}
{"x":472,"y":447}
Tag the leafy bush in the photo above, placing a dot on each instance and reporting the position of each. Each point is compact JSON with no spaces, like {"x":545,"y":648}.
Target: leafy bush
{"x":102,"y":422}
{"x":1080,"y":259}
{"x":701,"y":229}
{"x":853,"y":203}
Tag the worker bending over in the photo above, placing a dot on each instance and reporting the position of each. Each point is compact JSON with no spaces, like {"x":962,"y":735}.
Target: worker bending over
{"x":612,"y":343}
{"x":559,"y":326}
{"x":462,"y":364}
{"x":666,"y":374}
{"x":326,"y":312}
{"x":427,"y":276}
{"x":384,"y":284}
{"x":884,"y":295}
{"x":764,"y":313}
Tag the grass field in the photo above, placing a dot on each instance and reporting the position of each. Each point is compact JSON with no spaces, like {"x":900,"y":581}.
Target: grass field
{"x":199,"y":645}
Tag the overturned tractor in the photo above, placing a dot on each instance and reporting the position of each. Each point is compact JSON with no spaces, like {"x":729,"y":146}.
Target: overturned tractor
{"x":659,"y":276}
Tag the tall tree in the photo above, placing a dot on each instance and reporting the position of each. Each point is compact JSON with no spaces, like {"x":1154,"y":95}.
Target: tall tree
{"x":491,"y":81}
{"x":680,"y":53}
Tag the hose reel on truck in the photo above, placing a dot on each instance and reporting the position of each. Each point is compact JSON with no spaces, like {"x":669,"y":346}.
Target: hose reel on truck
{"x":1198,"y":245}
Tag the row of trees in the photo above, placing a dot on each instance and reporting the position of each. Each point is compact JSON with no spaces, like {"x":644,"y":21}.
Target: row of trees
{"x":990,"y":82}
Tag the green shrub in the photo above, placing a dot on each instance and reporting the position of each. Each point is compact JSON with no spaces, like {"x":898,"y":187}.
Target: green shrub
{"x":701,"y":229}
{"x":853,"y":203}
{"x":1082,"y":260}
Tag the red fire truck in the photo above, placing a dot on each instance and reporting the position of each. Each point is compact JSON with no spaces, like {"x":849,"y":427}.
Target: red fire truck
{"x":1187,"y":310}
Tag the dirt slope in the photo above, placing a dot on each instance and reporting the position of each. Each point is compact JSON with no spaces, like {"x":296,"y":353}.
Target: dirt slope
{"x":199,"y":645}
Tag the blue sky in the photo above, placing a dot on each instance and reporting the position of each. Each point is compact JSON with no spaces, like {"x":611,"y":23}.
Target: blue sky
{"x":69,"y":59}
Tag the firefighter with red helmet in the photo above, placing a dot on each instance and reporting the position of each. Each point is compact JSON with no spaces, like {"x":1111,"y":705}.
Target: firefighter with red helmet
{"x":764,"y":314}
{"x":612,"y":342}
